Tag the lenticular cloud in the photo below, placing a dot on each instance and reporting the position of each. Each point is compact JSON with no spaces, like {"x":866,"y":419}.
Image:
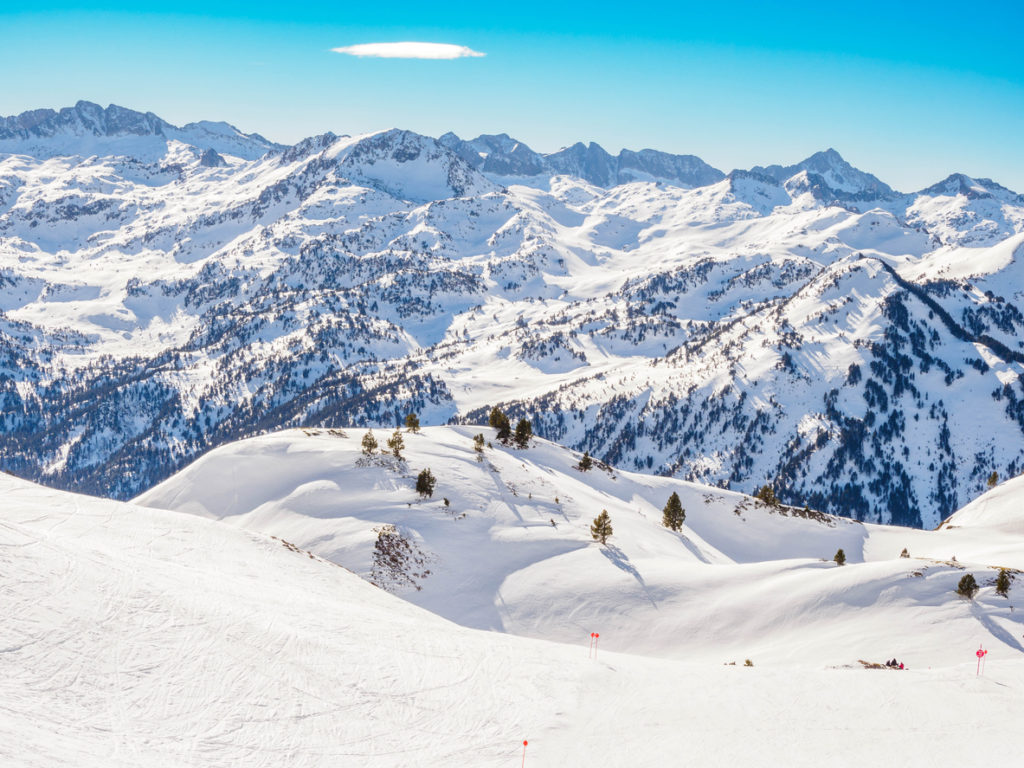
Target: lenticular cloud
{"x":409,"y":51}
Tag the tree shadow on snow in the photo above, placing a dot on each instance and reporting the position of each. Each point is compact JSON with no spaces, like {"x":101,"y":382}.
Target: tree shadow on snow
{"x":1001,"y":634}
{"x":619,"y":559}
{"x":694,"y":550}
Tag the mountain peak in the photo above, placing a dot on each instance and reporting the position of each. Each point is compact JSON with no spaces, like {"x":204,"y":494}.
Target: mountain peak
{"x":826,"y":159}
{"x":835,"y":180}
{"x":408,"y":165}
{"x":972,"y":188}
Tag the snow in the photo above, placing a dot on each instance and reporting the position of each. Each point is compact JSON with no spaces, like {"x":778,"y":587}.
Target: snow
{"x":141,"y":636}
{"x":997,"y":510}
{"x":505,"y":555}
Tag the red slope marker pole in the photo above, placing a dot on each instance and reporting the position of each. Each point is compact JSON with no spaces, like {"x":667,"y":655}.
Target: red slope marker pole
{"x":597,"y":636}
{"x":980,"y":654}
{"x":524,"y":752}
{"x":590,"y":650}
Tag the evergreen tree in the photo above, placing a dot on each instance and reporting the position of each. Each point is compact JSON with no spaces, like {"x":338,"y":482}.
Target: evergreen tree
{"x":478,"y":443}
{"x":499,"y":421}
{"x":396,"y":444}
{"x":602,"y":527}
{"x":495,"y":417}
{"x":673,"y":515}
{"x":586,"y":462}
{"x":412,"y":422}
{"x":840,"y":557}
{"x":904,"y":553}
{"x":993,"y":479}
{"x":1003,"y":583}
{"x":967,"y":586}
{"x":369,"y":443}
{"x":524,"y":431}
{"x":425,"y":483}
{"x":767,"y":495}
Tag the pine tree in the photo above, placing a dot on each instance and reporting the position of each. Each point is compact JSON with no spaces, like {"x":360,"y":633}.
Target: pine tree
{"x":369,"y":443}
{"x":586,"y":462}
{"x":396,"y":444}
{"x":673,"y":515}
{"x":1003,"y":583}
{"x":904,"y":553}
{"x":425,"y":483}
{"x":602,"y":527}
{"x":993,"y":479}
{"x":840,"y":557}
{"x":495,"y":417}
{"x":499,"y":421}
{"x":412,"y":422}
{"x":767,"y":495}
{"x":967,"y":586}
{"x":524,"y":431}
{"x":478,"y":443}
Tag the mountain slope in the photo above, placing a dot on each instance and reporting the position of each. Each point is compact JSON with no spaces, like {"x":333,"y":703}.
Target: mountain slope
{"x":504,"y":544}
{"x":999,"y":509}
{"x":137,"y":635}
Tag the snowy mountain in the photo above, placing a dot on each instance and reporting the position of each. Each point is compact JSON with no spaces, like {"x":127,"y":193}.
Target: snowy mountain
{"x":142,"y":635}
{"x":829,"y":178}
{"x":503,"y":157}
{"x":803,"y":326}
{"x":88,"y":129}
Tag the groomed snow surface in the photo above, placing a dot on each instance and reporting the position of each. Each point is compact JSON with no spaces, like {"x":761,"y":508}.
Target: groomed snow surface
{"x":135,"y":636}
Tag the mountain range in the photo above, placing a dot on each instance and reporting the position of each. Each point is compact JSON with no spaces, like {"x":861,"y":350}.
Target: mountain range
{"x":165,"y":290}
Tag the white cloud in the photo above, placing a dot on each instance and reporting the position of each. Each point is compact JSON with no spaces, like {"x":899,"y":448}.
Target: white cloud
{"x":409,"y":50}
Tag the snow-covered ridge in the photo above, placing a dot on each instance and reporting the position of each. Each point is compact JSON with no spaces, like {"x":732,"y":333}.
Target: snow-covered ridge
{"x":503,"y":157}
{"x":89,"y":129}
{"x":855,"y":347}
{"x":999,"y":509}
{"x":504,"y":543}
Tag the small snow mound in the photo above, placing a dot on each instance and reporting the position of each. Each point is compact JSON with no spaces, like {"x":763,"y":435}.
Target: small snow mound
{"x":1001,"y":508}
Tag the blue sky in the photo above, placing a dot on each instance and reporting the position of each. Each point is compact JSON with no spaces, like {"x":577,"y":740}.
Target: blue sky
{"x":910,"y":91}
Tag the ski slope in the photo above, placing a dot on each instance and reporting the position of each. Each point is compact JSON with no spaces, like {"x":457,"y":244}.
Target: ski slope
{"x":512,"y":552}
{"x":135,"y":636}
